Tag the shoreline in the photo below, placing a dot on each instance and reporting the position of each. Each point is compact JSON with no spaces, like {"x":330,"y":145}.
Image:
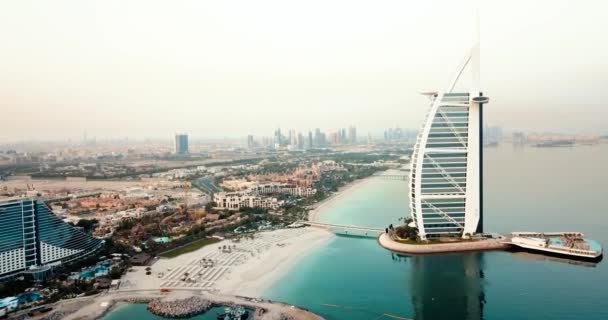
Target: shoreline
{"x":323,"y":206}
{"x":247,"y":267}
{"x":256,"y":279}
{"x":264,"y":261}
{"x":100,"y":306}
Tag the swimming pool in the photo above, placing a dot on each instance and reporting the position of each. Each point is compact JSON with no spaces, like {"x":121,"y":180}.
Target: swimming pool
{"x":97,"y":271}
{"x":162,"y":240}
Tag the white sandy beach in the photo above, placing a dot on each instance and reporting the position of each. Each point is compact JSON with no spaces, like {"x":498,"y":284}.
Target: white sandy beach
{"x":248,"y":269}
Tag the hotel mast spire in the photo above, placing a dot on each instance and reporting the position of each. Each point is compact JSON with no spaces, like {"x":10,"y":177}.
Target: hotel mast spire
{"x":446,"y":194}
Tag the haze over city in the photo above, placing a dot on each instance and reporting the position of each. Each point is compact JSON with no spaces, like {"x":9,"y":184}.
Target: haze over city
{"x":147,"y":69}
{"x":303,"y":160}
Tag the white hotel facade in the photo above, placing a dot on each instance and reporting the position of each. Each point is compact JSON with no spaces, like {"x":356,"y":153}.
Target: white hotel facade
{"x":446,"y":177}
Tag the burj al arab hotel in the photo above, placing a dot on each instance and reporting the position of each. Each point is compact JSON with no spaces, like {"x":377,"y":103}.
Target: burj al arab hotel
{"x":446,"y":198}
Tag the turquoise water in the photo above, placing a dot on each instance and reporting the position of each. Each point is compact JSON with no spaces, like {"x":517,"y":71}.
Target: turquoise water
{"x":526,"y":189}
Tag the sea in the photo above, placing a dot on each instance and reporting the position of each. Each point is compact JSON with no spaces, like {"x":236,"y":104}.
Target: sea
{"x":525,"y":189}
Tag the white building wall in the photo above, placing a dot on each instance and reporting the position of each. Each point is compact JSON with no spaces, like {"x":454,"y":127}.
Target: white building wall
{"x":12,"y":260}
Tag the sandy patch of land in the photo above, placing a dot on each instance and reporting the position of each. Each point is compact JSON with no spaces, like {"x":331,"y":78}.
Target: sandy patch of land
{"x":245,"y":268}
{"x":56,"y":185}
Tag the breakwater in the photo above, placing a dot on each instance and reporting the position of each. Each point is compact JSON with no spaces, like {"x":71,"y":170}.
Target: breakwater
{"x":182,"y":308}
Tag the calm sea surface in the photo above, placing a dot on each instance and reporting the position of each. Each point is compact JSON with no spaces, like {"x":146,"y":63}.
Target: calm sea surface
{"x":535,"y":189}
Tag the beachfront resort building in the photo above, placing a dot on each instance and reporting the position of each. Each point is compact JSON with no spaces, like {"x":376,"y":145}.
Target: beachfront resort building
{"x":282,"y":188}
{"x":446,"y":176}
{"x":33,"y":240}
{"x":238,"y":200}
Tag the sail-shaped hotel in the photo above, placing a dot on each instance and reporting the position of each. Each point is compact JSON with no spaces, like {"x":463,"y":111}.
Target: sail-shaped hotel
{"x":446,"y":178}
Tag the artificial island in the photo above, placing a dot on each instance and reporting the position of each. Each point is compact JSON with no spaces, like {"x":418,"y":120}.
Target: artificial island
{"x":446,"y":184}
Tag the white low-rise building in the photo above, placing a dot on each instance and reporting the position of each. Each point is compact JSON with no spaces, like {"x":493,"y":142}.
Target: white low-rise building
{"x":238,"y":200}
{"x":285,"y":188}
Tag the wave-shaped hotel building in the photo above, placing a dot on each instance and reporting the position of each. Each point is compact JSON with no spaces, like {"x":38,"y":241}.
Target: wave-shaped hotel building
{"x":33,"y":240}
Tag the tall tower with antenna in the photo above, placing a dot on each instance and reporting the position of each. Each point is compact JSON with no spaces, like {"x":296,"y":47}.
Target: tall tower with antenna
{"x":446,"y":194}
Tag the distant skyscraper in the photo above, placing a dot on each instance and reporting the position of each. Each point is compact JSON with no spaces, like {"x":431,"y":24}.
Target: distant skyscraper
{"x":34,"y":240}
{"x":310,"y":141}
{"x":293,"y":137}
{"x":181,"y":143}
{"x":352,"y":134}
{"x":278,"y":138}
{"x":300,"y":141}
{"x":446,"y":178}
{"x":334,"y":138}
{"x":318,"y":138}
{"x":250,"y":142}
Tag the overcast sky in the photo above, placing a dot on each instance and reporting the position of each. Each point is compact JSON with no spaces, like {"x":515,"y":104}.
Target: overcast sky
{"x":229,"y":68}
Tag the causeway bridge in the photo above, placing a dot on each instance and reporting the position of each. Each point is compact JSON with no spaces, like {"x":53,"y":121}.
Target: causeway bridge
{"x":346,"y":229}
{"x":389,"y":176}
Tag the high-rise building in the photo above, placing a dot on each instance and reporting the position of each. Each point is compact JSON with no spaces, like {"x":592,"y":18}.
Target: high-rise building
{"x":446,"y":176}
{"x":34,"y":240}
{"x":250,"y":142}
{"x":278,"y":138}
{"x":318,"y":138}
{"x":310,"y":141}
{"x":293,"y":138}
{"x":300,"y":141}
{"x":180,"y":145}
{"x":334,"y":138}
{"x":352,"y":134}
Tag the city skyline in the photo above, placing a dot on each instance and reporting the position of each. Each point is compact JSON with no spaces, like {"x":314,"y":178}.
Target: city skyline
{"x":261,"y":64}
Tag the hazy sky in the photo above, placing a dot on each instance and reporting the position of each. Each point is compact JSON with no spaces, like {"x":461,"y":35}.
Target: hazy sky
{"x":228,"y":68}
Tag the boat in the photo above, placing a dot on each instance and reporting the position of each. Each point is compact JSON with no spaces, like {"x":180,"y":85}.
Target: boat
{"x":564,"y":244}
{"x":238,"y":313}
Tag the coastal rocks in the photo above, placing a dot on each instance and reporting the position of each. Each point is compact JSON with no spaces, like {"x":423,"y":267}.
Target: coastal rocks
{"x":283,"y":316}
{"x":183,"y":308}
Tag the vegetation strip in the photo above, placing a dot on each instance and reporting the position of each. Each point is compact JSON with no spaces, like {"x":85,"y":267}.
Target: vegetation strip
{"x":192,"y":246}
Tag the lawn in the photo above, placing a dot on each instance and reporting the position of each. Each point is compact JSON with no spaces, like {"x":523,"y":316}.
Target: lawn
{"x":192,"y":246}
